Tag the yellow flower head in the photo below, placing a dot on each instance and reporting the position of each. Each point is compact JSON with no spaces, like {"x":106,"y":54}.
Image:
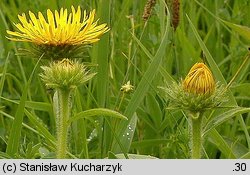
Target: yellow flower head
{"x":199,"y":80}
{"x":59,"y":29}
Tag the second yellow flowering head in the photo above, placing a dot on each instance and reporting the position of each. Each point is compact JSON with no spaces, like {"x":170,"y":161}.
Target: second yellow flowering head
{"x":199,"y":80}
{"x":198,"y":92}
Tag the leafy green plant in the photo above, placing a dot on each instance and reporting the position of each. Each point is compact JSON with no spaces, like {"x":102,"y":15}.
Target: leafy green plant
{"x":149,"y":54}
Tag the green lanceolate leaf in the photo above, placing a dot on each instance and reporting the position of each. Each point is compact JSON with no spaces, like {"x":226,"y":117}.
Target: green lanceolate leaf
{"x":40,"y":127}
{"x":149,"y":143}
{"x":169,"y":79}
{"x":135,"y":156}
{"x":111,"y":155}
{"x":221,"y":144}
{"x":40,"y":106}
{"x":153,"y":108}
{"x":4,"y":155}
{"x":246,"y":156}
{"x":242,"y":30}
{"x":126,"y":138}
{"x":100,"y":55}
{"x":218,"y":120}
{"x":3,"y":74}
{"x":215,"y":69}
{"x":15,"y":133}
{"x":97,"y":112}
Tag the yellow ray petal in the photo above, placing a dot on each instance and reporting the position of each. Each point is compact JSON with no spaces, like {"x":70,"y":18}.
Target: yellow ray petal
{"x":60,"y":28}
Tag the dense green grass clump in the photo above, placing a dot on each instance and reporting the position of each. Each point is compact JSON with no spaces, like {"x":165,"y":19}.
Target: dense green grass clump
{"x":149,"y":52}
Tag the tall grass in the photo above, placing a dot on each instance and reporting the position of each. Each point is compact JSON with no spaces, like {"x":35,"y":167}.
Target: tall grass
{"x":150,"y":54}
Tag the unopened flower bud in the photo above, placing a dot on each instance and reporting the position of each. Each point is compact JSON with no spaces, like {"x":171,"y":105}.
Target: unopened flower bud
{"x":199,"y":80}
{"x":65,"y":74}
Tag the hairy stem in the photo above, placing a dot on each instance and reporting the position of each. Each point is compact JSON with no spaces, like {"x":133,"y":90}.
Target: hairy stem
{"x":196,"y":137}
{"x":62,"y":105}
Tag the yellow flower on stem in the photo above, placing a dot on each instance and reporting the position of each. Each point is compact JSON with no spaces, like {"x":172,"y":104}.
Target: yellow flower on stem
{"x":61,"y":34}
{"x":198,"y":92}
{"x":199,"y":80}
{"x":61,"y":28}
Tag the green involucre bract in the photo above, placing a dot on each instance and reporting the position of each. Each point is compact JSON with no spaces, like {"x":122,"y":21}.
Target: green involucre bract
{"x":65,"y":74}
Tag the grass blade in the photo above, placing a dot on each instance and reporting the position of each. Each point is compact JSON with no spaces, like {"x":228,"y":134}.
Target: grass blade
{"x":218,"y":120}
{"x":40,"y":106}
{"x":135,"y":156}
{"x":218,"y":140}
{"x":97,"y":112}
{"x":4,"y":73}
{"x":144,"y":84}
{"x":163,"y":72}
{"x":15,"y":133}
{"x":100,"y":54}
{"x":246,"y":156}
{"x":4,"y":155}
{"x":242,"y":30}
{"x":127,"y":136}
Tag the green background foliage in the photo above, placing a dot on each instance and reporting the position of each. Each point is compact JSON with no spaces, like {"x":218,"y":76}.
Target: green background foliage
{"x":151,"y":55}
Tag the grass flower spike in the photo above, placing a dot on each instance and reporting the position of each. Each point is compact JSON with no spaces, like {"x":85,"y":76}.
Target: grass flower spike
{"x":199,"y":80}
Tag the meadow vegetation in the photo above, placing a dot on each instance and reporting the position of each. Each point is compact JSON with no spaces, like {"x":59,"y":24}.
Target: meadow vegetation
{"x":145,"y":56}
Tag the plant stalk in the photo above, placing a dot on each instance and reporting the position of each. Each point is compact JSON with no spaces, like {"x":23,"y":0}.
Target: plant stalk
{"x":196,"y":137}
{"x":62,"y":105}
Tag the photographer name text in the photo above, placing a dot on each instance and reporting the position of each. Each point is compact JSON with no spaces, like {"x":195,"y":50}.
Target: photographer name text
{"x":51,"y":167}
